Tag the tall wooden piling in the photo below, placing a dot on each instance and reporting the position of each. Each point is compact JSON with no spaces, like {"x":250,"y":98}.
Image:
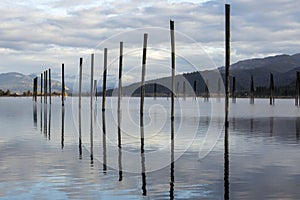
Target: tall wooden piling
{"x":297,"y":98}
{"x":50,"y":92}
{"x":143,"y":73}
{"x":104,"y":80}
{"x":80,"y":81}
{"x":92,"y":81}
{"x":41,"y":87}
{"x":272,"y":100}
{"x":120,"y":76}
{"x":173,"y":66}
{"x":46,"y":85}
{"x":251,"y":90}
{"x":144,"y":189}
{"x":63,"y":84}
{"x":233,"y":90}
{"x":227,"y":61}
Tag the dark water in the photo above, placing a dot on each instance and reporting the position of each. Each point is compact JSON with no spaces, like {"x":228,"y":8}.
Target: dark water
{"x":52,"y":153}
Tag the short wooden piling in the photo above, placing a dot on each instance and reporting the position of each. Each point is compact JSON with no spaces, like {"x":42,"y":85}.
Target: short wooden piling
{"x":63,"y":84}
{"x":173,"y":66}
{"x":104,"y":80}
{"x":41,"y":87}
{"x":272,"y":100}
{"x":143,"y":73}
{"x":233,"y":90}
{"x":251,"y":90}
{"x":227,"y":61}
{"x":120,"y":76}
{"x":50,"y":92}
{"x":80,"y":81}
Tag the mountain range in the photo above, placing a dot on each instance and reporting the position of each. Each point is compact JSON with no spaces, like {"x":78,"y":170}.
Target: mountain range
{"x":283,"y":67}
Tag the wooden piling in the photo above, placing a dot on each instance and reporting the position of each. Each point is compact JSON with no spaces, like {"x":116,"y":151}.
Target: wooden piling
{"x":104,"y":80}
{"x":251,"y":90}
{"x":104,"y":142}
{"x":227,"y":61}
{"x":120,"y":76}
{"x":41,"y":87}
{"x":233,"y":90}
{"x":63,"y":84}
{"x":143,"y":73}
{"x":46,"y":85}
{"x":297,"y":89}
{"x":173,"y":66}
{"x":92,"y":81}
{"x":206,"y":98}
{"x":144,"y":189}
{"x":80,"y":81}
{"x":272,"y":101}
{"x":50,"y":92}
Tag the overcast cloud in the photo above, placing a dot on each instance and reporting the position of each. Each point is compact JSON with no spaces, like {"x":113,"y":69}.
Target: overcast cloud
{"x":37,"y":34}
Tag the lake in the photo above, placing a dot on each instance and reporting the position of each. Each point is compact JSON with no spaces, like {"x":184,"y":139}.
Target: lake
{"x":50,"y":152}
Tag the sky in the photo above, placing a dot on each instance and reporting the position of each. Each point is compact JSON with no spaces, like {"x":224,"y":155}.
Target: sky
{"x":40,"y":34}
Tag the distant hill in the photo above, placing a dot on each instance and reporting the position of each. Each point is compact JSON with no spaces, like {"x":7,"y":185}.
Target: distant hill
{"x":19,"y":83}
{"x":283,"y":67}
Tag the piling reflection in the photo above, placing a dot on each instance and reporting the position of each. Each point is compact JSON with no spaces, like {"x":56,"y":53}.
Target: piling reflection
{"x":35,"y":115}
{"x":79,"y":132}
{"x":271,"y":124}
{"x":62,"y":126}
{"x":45,"y":120}
{"x":41,"y":118}
{"x":104,"y":141}
{"x":251,"y":124}
{"x":226,"y":164}
{"x":297,"y":128}
{"x":172,"y":178}
{"x":144,"y":189}
{"x":120,"y":146}
{"x":91,"y":136}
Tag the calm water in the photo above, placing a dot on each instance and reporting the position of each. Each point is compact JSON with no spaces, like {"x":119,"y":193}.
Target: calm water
{"x":52,"y":153}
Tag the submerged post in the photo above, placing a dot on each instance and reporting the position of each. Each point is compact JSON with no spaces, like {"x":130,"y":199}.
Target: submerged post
{"x":233,"y":90}
{"x":120,"y":76}
{"x":227,"y":61}
{"x":63,"y":84}
{"x":80,"y":80}
{"x":50,"y":92}
{"x":104,"y":80}
{"x":173,"y":66}
{"x":143,"y":73}
{"x":272,"y":101}
{"x":252,"y":91}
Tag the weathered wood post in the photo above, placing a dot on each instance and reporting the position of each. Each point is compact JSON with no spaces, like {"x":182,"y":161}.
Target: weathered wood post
{"x":33,"y":89}
{"x":80,"y":81}
{"x":173,"y":66}
{"x":143,"y":73}
{"x":104,"y":80}
{"x":50,"y":92}
{"x":172,"y":167}
{"x":92,"y":81}
{"x":104,"y":142}
{"x":46,"y":86}
{"x":45,"y":83}
{"x":272,"y":100}
{"x":297,"y":89}
{"x":227,"y":61}
{"x":63,"y":84}
{"x":251,"y":90}
{"x":233,"y":90}
{"x":41,"y":87}
{"x":144,"y":189}
{"x":120,"y":76}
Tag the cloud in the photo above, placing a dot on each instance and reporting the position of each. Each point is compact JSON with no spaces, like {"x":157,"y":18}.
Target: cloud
{"x":46,"y":33}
